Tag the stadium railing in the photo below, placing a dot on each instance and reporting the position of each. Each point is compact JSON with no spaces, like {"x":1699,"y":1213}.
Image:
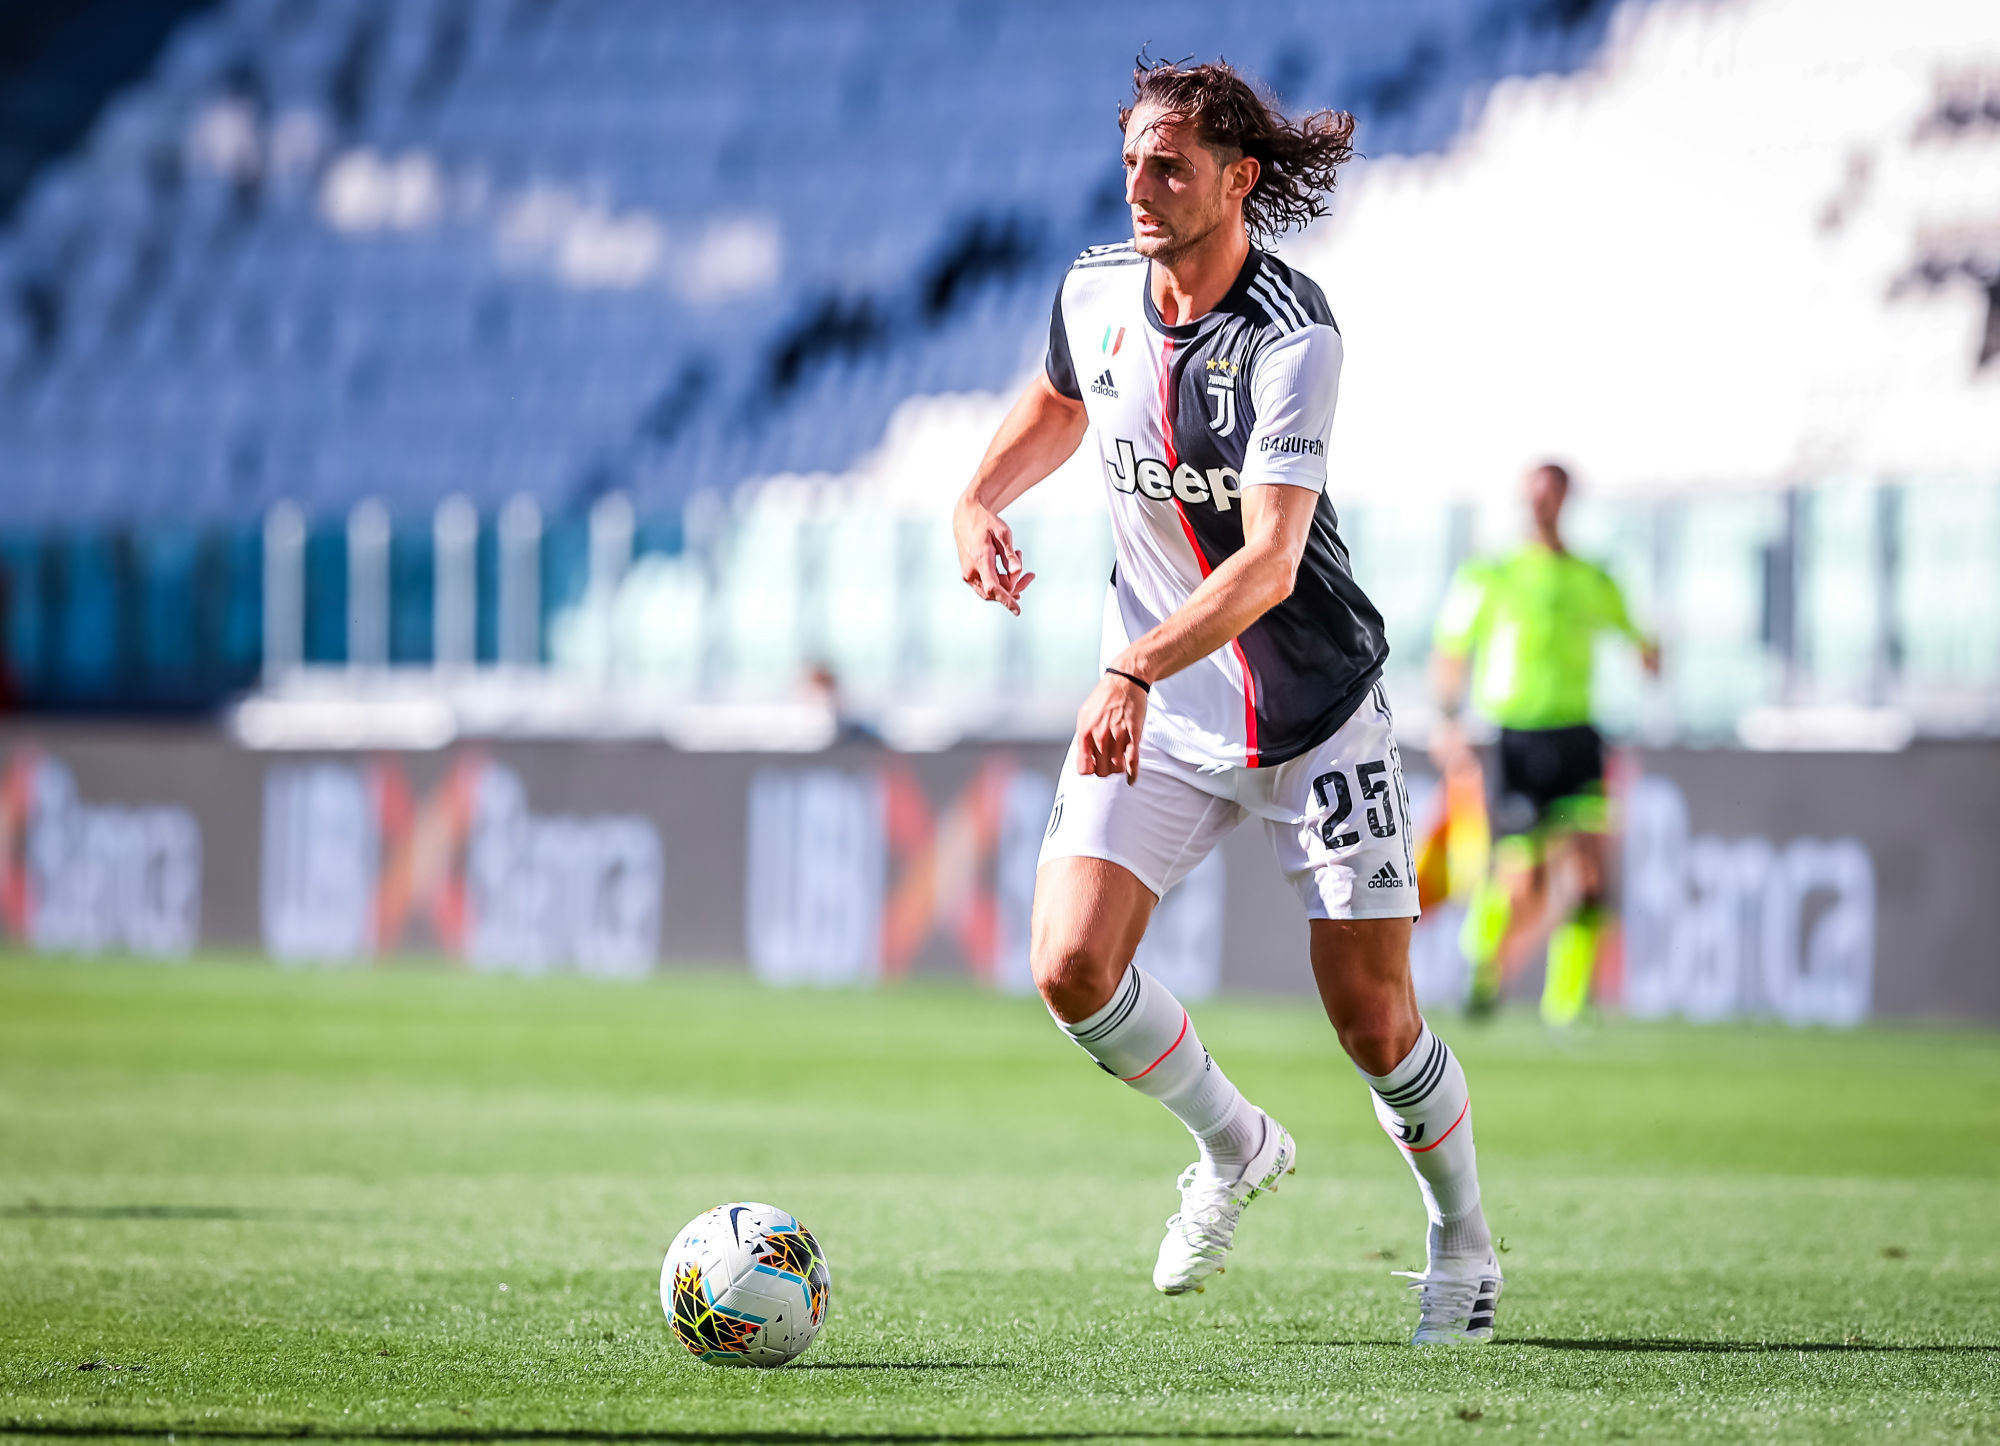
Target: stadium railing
{"x":1840,"y":614}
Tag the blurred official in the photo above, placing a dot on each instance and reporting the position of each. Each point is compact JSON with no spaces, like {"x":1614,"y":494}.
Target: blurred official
{"x":1525,"y":626}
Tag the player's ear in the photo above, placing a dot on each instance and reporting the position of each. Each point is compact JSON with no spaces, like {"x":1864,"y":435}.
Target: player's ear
{"x":1243,"y":174}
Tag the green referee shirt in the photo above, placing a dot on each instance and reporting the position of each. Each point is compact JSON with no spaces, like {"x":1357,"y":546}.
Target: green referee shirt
{"x":1533,"y":616}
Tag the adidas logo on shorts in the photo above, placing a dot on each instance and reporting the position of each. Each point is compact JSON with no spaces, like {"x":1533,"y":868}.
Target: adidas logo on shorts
{"x":1386,"y":877}
{"x":1103,"y":385}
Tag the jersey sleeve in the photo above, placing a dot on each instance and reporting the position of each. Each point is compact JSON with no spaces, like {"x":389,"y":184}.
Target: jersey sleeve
{"x":1612,"y":613}
{"x":1061,"y":370}
{"x":1463,"y":610}
{"x":1294,"y":383}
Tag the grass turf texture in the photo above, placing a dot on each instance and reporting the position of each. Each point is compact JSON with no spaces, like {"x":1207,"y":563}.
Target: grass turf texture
{"x":420,"y":1205}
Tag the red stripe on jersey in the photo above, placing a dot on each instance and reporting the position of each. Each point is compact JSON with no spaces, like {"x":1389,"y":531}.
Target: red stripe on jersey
{"x":1200,"y":558}
{"x":1167,"y":444}
{"x":1249,"y":707}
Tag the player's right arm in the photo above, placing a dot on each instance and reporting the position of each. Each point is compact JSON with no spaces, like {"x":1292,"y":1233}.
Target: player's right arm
{"x":1457,"y":633}
{"x":1037,"y":437}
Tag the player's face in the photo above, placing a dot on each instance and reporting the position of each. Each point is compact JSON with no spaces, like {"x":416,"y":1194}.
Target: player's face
{"x":1546,"y":493}
{"x":1179,"y":190}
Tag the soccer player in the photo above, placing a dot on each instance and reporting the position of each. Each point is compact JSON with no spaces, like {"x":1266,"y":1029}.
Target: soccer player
{"x":1241,"y":664}
{"x":1533,"y":618}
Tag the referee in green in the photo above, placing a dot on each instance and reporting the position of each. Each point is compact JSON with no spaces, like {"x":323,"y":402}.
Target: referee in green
{"x":1525,"y":625}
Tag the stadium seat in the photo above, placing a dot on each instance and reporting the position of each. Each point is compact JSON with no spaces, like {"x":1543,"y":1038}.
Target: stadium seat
{"x":332,"y":250}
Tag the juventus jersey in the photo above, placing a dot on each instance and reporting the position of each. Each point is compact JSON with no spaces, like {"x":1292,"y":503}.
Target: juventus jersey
{"x":1184,"y":419}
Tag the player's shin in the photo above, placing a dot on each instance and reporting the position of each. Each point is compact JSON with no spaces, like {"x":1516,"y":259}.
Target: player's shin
{"x":1487,"y":916}
{"x":1424,"y":1106}
{"x":1145,"y":1038}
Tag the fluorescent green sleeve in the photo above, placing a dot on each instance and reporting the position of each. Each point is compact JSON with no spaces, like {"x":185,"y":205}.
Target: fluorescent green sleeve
{"x":1462,"y":613}
{"x":1613,"y":613}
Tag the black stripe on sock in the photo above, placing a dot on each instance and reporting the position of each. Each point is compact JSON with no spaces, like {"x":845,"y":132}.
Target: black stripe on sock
{"x":1417,"y":1090}
{"x":1128,"y":1001}
{"x":1425,"y":1080}
{"x":1426,"y":1084}
{"x":1423,"y":1070}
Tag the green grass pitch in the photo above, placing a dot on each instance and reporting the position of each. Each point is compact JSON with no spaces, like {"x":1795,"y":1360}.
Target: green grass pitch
{"x":414,"y":1205}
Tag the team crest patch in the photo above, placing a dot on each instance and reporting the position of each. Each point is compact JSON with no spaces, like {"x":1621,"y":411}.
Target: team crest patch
{"x":1114,"y":337}
{"x":1222,"y":394}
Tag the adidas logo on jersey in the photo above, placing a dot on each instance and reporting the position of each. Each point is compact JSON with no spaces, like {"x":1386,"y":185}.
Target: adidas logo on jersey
{"x":1104,"y":387}
{"x":1386,"y":877}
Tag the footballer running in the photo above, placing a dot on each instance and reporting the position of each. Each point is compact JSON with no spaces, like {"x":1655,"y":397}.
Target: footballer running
{"x":1241,"y":664}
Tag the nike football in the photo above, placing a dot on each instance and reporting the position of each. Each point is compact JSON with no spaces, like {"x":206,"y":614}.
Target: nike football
{"x":744,"y":1285}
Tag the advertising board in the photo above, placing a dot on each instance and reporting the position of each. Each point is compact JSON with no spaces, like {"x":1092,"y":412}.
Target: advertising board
{"x":1813,"y":888}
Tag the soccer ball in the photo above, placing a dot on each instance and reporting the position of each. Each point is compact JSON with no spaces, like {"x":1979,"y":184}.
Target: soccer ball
{"x":744,"y":1285}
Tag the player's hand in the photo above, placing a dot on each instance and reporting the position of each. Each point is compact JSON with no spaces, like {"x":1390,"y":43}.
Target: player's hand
{"x":1449,"y":750}
{"x":987,"y":558}
{"x":1108,"y":727}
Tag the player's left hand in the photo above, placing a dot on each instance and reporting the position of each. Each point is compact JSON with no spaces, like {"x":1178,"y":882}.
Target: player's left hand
{"x":1108,"y":727}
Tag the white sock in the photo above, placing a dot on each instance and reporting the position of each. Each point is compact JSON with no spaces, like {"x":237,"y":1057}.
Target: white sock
{"x":1145,"y":1038}
{"x":1424,"y":1106}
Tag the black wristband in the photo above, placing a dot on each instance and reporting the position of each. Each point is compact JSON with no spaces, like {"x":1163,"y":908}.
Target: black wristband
{"x":1133,"y":678}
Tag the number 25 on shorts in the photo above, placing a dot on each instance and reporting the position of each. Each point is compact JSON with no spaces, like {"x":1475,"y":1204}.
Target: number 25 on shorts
{"x":1374,"y":788}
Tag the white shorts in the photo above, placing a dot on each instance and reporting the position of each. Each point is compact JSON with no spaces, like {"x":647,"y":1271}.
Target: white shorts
{"x":1338,"y":818}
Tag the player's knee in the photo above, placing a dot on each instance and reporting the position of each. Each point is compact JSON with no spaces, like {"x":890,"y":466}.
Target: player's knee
{"x":1076,"y":977}
{"x":1524,"y":885}
{"x":1377,"y":1032}
{"x":1375,"y":1048}
{"x":1589,"y":883}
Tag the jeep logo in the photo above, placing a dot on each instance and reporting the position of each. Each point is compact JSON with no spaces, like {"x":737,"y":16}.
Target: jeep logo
{"x":1152,"y":477}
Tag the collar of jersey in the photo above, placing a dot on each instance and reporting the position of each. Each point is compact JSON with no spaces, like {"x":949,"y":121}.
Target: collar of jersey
{"x":1232,"y":300}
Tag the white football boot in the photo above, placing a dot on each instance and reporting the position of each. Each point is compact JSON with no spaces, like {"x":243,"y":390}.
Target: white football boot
{"x":1198,"y":1237}
{"x":1455,"y":1302}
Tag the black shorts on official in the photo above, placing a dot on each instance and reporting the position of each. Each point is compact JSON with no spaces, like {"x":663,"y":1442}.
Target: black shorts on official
{"x":1549,"y":776}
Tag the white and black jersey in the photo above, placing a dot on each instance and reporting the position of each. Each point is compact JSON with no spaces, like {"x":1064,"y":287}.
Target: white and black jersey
{"x":1184,"y":418}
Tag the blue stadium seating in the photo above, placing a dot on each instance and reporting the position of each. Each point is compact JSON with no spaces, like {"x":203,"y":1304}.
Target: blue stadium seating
{"x":332,"y":250}
{"x":346,"y":248}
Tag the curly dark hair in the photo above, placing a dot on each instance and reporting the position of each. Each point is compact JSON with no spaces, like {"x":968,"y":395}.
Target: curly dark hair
{"x":1296,"y":158}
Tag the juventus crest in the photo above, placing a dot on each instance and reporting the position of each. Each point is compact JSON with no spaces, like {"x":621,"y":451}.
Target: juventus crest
{"x":1222,"y":396}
